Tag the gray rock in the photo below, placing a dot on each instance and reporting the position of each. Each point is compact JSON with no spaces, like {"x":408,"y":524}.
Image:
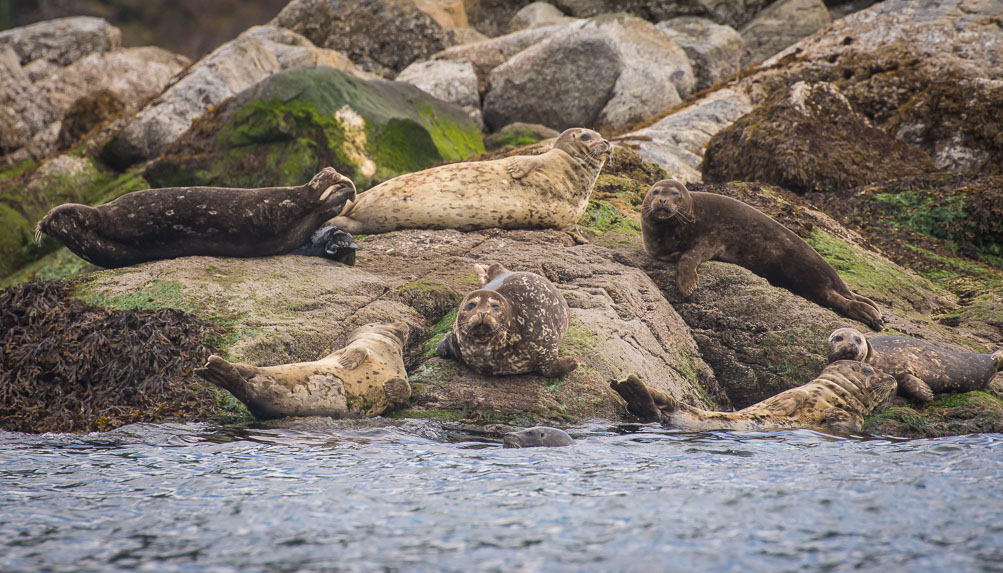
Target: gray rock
{"x":734,"y":13}
{"x":780,"y":25}
{"x":715,"y":50}
{"x":226,"y":71}
{"x":62,"y":41}
{"x":536,"y":15}
{"x":677,"y":141}
{"x":449,"y":80}
{"x":609,"y":72}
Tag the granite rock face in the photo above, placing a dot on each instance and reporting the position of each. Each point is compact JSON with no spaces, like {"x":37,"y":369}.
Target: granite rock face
{"x":715,"y":50}
{"x":62,"y":41}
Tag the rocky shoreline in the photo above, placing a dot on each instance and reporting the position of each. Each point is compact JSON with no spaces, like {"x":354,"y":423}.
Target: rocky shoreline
{"x":870,"y":135}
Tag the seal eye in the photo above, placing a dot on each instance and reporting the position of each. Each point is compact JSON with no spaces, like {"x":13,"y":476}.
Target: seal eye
{"x":494,"y":307}
{"x":857,"y":340}
{"x":586,"y":137}
{"x":470,"y":306}
{"x":675,"y":193}
{"x":837,"y":338}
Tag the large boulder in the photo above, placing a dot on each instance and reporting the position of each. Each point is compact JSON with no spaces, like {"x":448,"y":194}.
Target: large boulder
{"x":609,"y":72}
{"x":715,"y":50}
{"x":448,"y":80}
{"x":286,"y":128}
{"x":677,"y":141}
{"x":809,"y":138}
{"x":381,"y":36}
{"x":536,"y":15}
{"x":734,"y":13}
{"x":62,"y":41}
{"x":779,"y":25}
{"x":229,"y":69}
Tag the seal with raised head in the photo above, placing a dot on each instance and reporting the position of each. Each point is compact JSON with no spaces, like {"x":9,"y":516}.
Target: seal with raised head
{"x":920,"y":368}
{"x":365,"y":377}
{"x":538,"y":437}
{"x":693,"y":227}
{"x":513,"y":324}
{"x":839,"y":398}
{"x":188,"y":221}
{"x":550,"y":190}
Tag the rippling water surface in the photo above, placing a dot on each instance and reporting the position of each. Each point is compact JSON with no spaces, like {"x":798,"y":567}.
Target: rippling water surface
{"x":401,"y":497}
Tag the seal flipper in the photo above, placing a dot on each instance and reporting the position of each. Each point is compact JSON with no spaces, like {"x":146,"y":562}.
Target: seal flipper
{"x":639,"y":398}
{"x":448,"y":348}
{"x":559,"y":367}
{"x":914,"y":388}
{"x":228,"y":376}
{"x":352,"y":358}
{"x":397,"y":391}
{"x":522,"y":165}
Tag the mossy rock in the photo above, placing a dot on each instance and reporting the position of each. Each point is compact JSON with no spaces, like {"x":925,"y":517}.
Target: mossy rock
{"x":950,"y":414}
{"x":25,"y":199}
{"x":286,"y":128}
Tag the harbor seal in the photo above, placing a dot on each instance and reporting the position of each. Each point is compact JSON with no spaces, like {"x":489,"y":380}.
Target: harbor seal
{"x":839,"y":398}
{"x":920,"y":368}
{"x":512,"y":324}
{"x":521,"y":192}
{"x":365,"y":377}
{"x":538,"y":437}
{"x":187,"y":221}
{"x":692,"y":227}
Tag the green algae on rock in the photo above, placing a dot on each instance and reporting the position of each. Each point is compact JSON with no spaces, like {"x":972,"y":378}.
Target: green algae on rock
{"x":289,"y":126}
{"x":950,"y":414}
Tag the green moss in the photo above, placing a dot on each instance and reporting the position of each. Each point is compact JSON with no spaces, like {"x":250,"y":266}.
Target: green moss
{"x":155,"y":295}
{"x":60,"y":264}
{"x":604,"y":218}
{"x":441,"y":328}
{"x":579,"y":341}
{"x":403,"y":146}
{"x":17,"y":169}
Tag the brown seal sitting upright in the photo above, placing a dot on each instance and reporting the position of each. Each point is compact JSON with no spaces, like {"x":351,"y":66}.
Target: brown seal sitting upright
{"x":839,"y":398}
{"x":694,"y":227}
{"x":521,"y":192}
{"x":365,"y":377}
{"x":512,"y":324}
{"x":188,"y":221}
{"x":920,"y":368}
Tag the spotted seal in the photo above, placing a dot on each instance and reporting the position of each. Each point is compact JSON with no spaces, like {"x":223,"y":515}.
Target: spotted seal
{"x":839,"y":398}
{"x":521,"y":192}
{"x":365,"y":377}
{"x":538,"y":437}
{"x":692,"y":227}
{"x":512,"y":324}
{"x":187,"y":221}
{"x":920,"y":368}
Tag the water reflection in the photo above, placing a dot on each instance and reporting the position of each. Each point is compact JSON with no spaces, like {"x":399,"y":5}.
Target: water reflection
{"x":413,"y":495}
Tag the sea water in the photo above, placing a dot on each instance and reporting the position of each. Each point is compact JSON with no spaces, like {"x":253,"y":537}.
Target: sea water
{"x":412,"y":496}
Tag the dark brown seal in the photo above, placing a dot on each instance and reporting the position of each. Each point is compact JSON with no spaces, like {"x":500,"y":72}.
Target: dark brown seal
{"x":512,"y":324}
{"x":920,"y":368}
{"x":189,"y":221}
{"x":839,"y":398}
{"x":693,"y":227}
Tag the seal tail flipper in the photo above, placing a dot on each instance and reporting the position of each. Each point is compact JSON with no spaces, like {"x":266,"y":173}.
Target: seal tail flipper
{"x":640,"y":399}
{"x":998,"y":359}
{"x":559,"y":367}
{"x":227,"y":376}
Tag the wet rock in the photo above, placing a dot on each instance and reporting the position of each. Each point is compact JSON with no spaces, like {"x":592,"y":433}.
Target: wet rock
{"x":289,"y":126}
{"x":536,"y":15}
{"x":233,"y":67}
{"x":714,"y":50}
{"x":779,"y":25}
{"x":967,"y":413}
{"x":677,"y":141}
{"x":519,"y":133}
{"x":62,"y":41}
{"x":808,"y":138}
{"x":448,"y":80}
{"x":610,"y":72}
{"x":381,"y":36}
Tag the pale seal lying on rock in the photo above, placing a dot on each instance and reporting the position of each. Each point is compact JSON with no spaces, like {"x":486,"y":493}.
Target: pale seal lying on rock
{"x":521,"y":192}
{"x":512,"y":324}
{"x":365,"y":377}
{"x":692,"y":227}
{"x":920,"y":368}
{"x":189,"y":221}
{"x":538,"y":437}
{"x":839,"y":398}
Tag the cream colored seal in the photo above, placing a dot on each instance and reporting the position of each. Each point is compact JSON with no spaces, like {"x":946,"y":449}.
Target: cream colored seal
{"x":842,"y":395}
{"x":550,"y":190}
{"x":365,"y":377}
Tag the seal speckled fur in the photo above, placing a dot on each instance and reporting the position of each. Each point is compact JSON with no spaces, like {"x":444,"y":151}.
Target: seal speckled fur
{"x":920,"y":368}
{"x":188,"y":221}
{"x":521,"y":192}
{"x":692,"y":227}
{"x":839,"y":398}
{"x":512,"y":324}
{"x":365,"y":377}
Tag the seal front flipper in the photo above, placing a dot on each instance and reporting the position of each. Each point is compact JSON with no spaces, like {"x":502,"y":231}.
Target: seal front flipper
{"x":352,"y":358}
{"x":522,"y":165}
{"x":447,"y":347}
{"x":914,"y":387}
{"x":559,"y":367}
{"x":228,"y":376}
